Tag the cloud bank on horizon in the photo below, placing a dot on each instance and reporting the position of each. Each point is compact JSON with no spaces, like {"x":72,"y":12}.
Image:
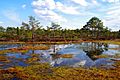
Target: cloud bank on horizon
{"x":70,"y":14}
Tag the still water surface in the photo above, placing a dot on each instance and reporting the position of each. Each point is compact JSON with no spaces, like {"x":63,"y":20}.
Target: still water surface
{"x":83,"y":55}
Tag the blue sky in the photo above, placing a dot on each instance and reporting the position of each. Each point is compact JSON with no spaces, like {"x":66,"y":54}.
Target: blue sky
{"x":71,"y":14}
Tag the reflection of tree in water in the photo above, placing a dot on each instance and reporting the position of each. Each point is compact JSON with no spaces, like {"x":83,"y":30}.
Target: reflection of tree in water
{"x":56,"y":60}
{"x":55,"y":56}
{"x":91,"y":53}
{"x":105,"y":47}
{"x":54,"y":51}
{"x":95,"y":49}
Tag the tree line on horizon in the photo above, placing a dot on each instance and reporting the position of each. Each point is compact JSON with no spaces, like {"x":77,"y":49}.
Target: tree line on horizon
{"x":33,"y":31}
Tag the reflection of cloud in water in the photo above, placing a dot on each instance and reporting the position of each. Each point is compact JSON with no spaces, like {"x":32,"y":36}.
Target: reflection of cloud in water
{"x":70,"y":51}
{"x":111,"y":52}
{"x":81,"y":63}
{"x":103,"y":62}
{"x":80,"y":54}
{"x":79,"y":58}
{"x":56,"y":62}
{"x":113,"y":46}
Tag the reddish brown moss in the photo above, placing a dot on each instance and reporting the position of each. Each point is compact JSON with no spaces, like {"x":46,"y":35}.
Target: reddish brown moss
{"x":45,"y":72}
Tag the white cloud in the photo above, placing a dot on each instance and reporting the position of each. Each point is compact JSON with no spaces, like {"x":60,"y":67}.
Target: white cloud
{"x":44,"y":9}
{"x":65,"y":9}
{"x":81,"y":2}
{"x":112,"y":17}
{"x":50,"y":4}
{"x":49,"y":15}
{"x":52,"y":10}
{"x":95,"y":2}
{"x":24,"y":6}
{"x":49,"y":10}
{"x":114,"y":11}
{"x":111,"y":1}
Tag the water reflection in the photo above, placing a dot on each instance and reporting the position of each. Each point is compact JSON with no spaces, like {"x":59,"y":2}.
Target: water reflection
{"x":95,"y":49}
{"x":8,"y":46}
{"x":83,"y":55}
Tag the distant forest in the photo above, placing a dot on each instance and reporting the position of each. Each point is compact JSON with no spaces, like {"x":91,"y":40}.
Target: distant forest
{"x":33,"y":31}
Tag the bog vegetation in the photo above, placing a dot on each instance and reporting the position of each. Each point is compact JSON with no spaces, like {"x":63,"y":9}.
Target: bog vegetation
{"x":33,"y":31}
{"x":45,"y":72}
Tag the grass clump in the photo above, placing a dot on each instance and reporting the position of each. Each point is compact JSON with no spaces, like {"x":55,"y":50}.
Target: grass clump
{"x":30,"y":47}
{"x":34,"y":58}
{"x":117,"y":55}
{"x":4,"y":51}
{"x":4,"y":59}
{"x":43,"y":71}
{"x":13,"y":50}
{"x":24,"y":49}
{"x":101,"y":56}
{"x":61,"y":56}
{"x":66,"y":55}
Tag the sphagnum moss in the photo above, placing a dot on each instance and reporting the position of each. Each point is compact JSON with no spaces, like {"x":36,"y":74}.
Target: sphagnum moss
{"x":46,"y":72}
